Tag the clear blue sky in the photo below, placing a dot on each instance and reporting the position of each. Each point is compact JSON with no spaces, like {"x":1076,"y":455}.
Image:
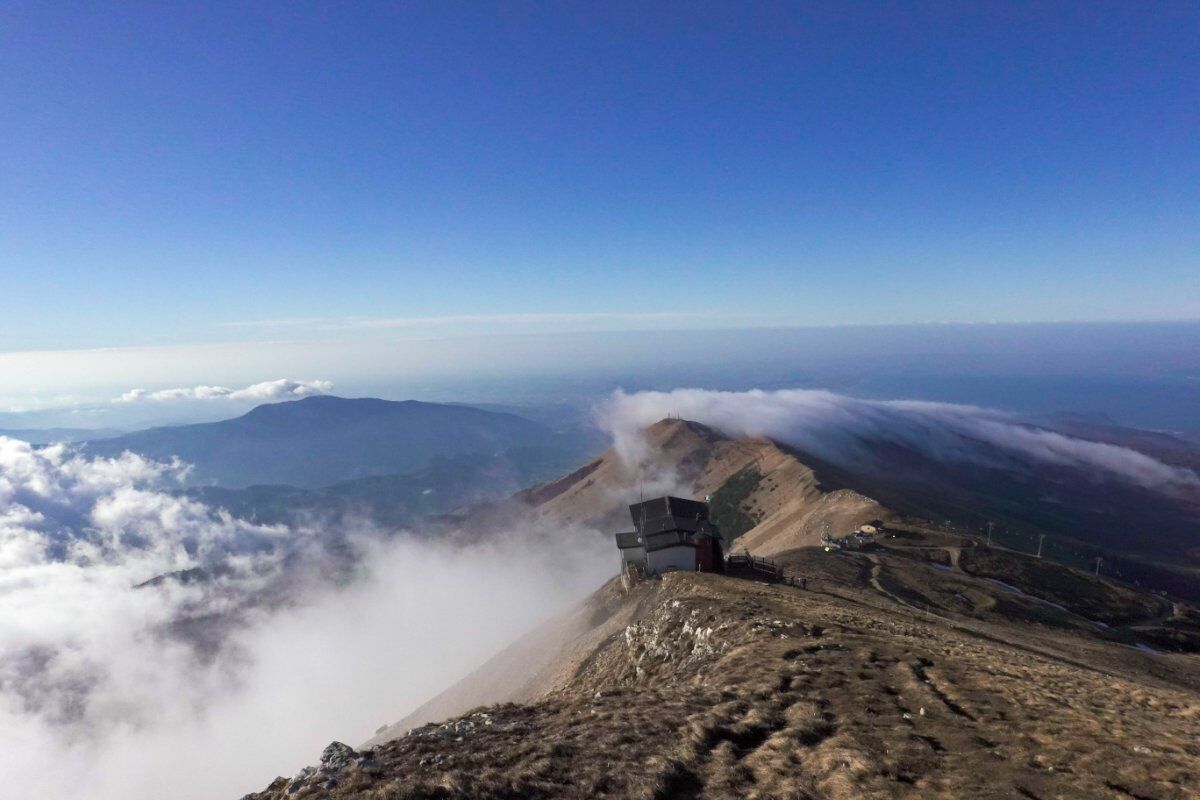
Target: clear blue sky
{"x":342,"y":168}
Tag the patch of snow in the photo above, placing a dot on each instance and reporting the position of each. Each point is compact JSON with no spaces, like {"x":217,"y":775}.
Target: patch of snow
{"x":1052,"y":605}
{"x":1035,"y":598}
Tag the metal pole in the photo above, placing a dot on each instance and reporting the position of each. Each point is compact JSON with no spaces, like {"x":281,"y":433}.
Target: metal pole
{"x":1098,"y":560}
{"x":1041,"y":536}
{"x":989,"y":533}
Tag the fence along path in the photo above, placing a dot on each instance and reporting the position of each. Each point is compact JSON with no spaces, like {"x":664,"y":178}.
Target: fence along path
{"x":764,"y":566}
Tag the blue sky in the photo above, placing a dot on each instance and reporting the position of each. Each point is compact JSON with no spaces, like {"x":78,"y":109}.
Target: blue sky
{"x":320,"y":171}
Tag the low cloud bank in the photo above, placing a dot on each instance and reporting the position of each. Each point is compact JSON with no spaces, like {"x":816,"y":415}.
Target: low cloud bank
{"x":268,"y":642}
{"x":844,"y":430}
{"x":267,"y":391}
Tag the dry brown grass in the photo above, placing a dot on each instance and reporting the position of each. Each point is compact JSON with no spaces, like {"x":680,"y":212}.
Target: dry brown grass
{"x":727,"y":688}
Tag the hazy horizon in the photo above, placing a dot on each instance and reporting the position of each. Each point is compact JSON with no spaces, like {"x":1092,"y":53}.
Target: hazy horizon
{"x":539,"y":205}
{"x":1140,"y":374}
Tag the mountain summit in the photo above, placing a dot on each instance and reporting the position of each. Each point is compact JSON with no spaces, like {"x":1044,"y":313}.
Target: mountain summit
{"x":318,"y":441}
{"x":760,"y":491}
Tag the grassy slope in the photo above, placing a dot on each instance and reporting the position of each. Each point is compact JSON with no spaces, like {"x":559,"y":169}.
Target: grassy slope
{"x":727,"y":508}
{"x":726,"y":688}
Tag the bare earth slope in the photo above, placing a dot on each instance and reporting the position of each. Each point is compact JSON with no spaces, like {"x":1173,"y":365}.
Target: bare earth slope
{"x":783,"y":500}
{"x":723,"y":687}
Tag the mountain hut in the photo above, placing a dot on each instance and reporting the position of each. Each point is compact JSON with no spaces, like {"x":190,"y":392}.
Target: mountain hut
{"x":670,"y":533}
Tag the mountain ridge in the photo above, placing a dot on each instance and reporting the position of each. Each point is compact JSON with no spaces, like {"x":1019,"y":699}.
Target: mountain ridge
{"x":318,"y":441}
{"x":710,"y":686}
{"x":920,"y":663}
{"x":788,"y":506}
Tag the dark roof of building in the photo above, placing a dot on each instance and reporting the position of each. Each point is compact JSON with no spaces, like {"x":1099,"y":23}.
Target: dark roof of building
{"x":661,"y":541}
{"x":671,"y":524}
{"x":666,"y":522}
{"x":628,"y":539}
{"x":648,"y":512}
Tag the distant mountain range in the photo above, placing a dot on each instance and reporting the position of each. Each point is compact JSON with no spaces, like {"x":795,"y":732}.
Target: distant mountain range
{"x":320,"y":441}
{"x":1144,"y":535}
{"x":66,"y":435}
{"x":391,"y":501}
{"x":394,"y":462}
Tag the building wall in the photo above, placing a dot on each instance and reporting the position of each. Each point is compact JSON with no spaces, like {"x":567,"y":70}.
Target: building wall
{"x":681,"y":558}
{"x":633,"y":555}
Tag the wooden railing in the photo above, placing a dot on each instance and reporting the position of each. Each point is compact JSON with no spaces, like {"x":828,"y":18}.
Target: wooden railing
{"x":764,"y":565}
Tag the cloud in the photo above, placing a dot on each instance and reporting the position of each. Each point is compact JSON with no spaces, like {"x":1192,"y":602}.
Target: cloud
{"x":271,"y":642}
{"x":513,"y":319}
{"x":267,"y":391}
{"x":531,"y":318}
{"x":845,"y":429}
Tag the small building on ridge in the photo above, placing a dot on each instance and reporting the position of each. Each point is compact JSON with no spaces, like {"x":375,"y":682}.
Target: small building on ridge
{"x":670,"y":533}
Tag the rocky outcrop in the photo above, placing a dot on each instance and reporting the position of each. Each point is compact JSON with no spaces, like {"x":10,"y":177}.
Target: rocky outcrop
{"x":337,"y":759}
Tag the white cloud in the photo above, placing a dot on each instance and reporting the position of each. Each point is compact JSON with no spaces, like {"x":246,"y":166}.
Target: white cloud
{"x":518,"y":319}
{"x":212,"y":687}
{"x":282,"y":389}
{"x":451,"y":320}
{"x":841,"y":429}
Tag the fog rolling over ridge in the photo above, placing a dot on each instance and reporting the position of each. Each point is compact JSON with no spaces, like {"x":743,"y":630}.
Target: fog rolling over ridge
{"x":269,"y":640}
{"x":838,"y":428}
{"x":1112,"y":493}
